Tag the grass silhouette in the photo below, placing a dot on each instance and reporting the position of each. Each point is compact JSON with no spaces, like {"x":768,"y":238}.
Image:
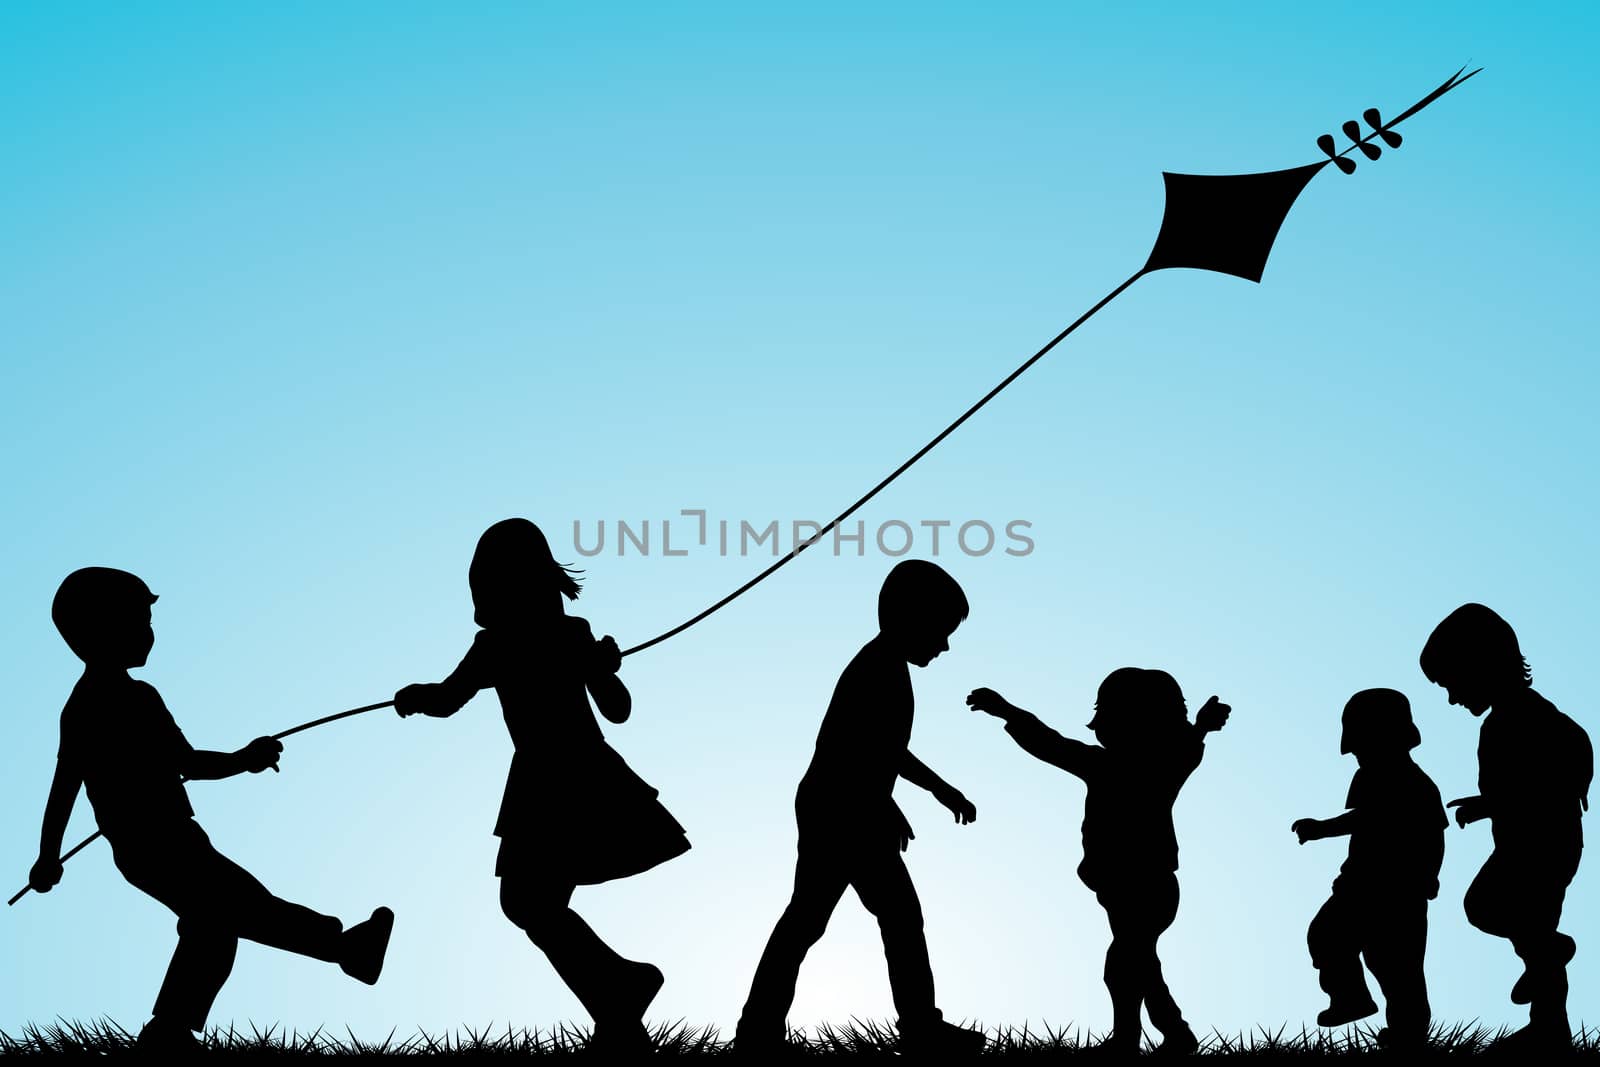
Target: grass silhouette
{"x":854,"y":1040}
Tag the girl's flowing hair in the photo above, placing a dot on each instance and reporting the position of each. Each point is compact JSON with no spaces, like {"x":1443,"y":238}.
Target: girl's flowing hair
{"x":513,"y":573}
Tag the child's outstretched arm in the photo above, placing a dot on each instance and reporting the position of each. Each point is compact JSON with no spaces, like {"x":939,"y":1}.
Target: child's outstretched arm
{"x":1035,"y":738}
{"x":916,"y":772}
{"x":1470,"y":810}
{"x":440,"y":700}
{"x":610,"y":695}
{"x":204,"y":765}
{"x":64,"y":787}
{"x":1317,"y":829}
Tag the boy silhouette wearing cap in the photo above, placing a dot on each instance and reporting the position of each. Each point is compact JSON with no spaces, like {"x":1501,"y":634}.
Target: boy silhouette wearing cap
{"x":120,"y":744}
{"x":1534,"y":769}
{"x":1395,"y":820}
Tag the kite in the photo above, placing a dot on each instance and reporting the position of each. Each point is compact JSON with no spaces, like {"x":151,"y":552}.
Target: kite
{"x":1225,"y":223}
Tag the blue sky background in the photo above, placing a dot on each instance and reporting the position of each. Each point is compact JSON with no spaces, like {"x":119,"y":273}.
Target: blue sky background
{"x":297,"y":298}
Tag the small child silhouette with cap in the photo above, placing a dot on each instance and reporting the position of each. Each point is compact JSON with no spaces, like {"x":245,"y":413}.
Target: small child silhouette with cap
{"x":1147,"y":750}
{"x":1379,"y":908}
{"x":120,"y":744}
{"x":851,"y":832}
{"x":1534,"y":769}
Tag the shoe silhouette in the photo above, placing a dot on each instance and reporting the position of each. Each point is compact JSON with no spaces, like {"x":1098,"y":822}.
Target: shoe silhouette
{"x":1343,"y":1014}
{"x":363,"y":947}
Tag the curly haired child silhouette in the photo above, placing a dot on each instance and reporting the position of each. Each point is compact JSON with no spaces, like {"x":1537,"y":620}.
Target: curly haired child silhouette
{"x":1148,"y":749}
{"x":1534,"y":769}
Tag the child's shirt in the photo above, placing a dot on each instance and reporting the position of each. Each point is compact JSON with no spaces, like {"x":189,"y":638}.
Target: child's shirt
{"x":1127,"y":813}
{"x":1534,"y":769}
{"x":119,"y":738}
{"x":1397,"y":844}
{"x":863,"y":740}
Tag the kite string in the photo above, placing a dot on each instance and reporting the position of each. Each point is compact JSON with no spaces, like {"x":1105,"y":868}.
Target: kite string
{"x":1454,"y":80}
{"x":769,"y":571}
{"x":92,"y":838}
{"x":801,"y":546}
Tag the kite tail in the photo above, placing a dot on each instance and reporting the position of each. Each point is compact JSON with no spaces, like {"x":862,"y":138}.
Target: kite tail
{"x":1381,"y":130}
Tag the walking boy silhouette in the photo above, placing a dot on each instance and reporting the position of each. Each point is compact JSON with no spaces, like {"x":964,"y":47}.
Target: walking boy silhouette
{"x":120,"y":743}
{"x":1534,"y":769}
{"x":1379,"y":908}
{"x":1148,"y":748}
{"x":851,"y":833}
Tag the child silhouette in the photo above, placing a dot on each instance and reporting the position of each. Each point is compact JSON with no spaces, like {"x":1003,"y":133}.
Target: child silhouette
{"x":1379,"y":908}
{"x":120,"y":743}
{"x":573,"y":813}
{"x":1147,"y":750}
{"x":1534,"y":769}
{"x":851,"y":833}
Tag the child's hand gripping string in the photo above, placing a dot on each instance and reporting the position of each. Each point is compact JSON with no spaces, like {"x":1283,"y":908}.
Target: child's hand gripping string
{"x":45,"y":874}
{"x":423,"y":698}
{"x":260,"y":754}
{"x":607,"y":656}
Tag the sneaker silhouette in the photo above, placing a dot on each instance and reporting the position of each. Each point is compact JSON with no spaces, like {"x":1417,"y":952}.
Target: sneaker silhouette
{"x":1527,"y":986}
{"x":364,"y":945}
{"x":942,"y":1039}
{"x":1349,"y":1012}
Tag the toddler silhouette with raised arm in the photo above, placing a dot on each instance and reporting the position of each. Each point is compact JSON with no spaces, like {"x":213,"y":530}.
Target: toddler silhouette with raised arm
{"x":573,"y":812}
{"x":851,"y":833}
{"x":1379,"y":908}
{"x":1147,"y":750}
{"x":1534,"y":769}
{"x":120,"y":744}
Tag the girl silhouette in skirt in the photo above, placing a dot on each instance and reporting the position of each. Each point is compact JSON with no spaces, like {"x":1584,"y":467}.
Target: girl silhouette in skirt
{"x":574,"y":813}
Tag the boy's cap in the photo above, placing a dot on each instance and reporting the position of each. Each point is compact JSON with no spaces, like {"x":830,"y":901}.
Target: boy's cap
{"x":1382,"y":716}
{"x":87,"y":596}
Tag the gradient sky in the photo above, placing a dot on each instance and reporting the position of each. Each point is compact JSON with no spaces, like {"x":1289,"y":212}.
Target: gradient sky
{"x":295,"y":299}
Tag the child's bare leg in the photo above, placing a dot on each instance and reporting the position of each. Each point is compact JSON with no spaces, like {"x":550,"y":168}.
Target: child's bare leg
{"x":592,"y":969}
{"x":1164,"y":1012}
{"x":1162,"y":905}
{"x":1124,"y":981}
{"x":819,"y":882}
{"x":1127,"y":965}
{"x":1138,"y":915}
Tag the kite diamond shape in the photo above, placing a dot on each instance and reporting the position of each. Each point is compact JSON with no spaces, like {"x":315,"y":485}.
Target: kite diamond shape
{"x":1226,"y":222}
